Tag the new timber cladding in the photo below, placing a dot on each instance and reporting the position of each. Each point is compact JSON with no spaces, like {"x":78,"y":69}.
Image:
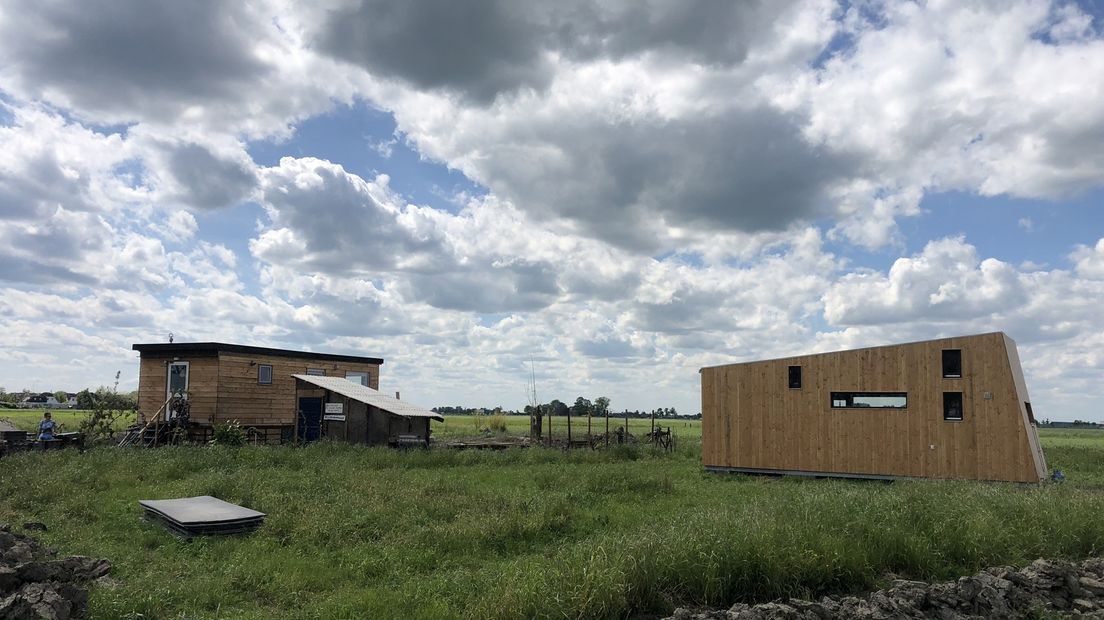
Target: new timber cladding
{"x":224,"y":386}
{"x":203,"y":369}
{"x":752,"y":421}
{"x":241,"y":398}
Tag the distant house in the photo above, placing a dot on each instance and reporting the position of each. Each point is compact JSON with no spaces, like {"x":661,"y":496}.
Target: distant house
{"x":71,"y":400}
{"x":282,"y":395}
{"x":949,"y":408}
{"x":45,"y":399}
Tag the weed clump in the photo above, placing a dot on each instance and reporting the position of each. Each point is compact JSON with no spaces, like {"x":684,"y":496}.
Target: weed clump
{"x":228,"y":433}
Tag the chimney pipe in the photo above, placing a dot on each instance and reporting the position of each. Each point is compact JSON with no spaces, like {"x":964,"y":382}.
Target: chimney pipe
{"x":396,"y":395}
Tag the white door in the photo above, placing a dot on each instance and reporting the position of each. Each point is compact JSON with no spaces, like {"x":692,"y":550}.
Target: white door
{"x":177,"y":382}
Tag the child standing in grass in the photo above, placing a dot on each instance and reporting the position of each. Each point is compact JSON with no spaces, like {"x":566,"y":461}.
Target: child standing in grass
{"x":46,"y":427}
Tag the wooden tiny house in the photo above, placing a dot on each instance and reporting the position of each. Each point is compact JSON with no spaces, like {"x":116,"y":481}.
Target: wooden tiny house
{"x":948,"y":408}
{"x":259,"y":388}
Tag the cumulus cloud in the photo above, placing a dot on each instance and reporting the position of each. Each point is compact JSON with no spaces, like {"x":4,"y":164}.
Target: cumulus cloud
{"x":945,"y":282}
{"x":961,"y":96}
{"x":47,"y":163}
{"x":157,"y":57}
{"x":327,"y":219}
{"x":1089,"y":261}
{"x":238,"y":70}
{"x":199,"y":176}
{"x":486,"y":48}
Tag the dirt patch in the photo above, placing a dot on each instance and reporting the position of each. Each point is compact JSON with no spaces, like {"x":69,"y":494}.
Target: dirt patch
{"x":1045,"y":588}
{"x":34,"y":583}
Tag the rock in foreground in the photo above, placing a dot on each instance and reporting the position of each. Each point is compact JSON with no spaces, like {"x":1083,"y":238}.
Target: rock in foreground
{"x":34,"y":584}
{"x":1045,"y":587}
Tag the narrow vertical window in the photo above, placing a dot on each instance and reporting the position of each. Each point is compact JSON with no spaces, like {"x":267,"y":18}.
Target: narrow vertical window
{"x":952,"y":405}
{"x":952,"y":363}
{"x":1030,"y":413}
{"x":264,"y":374}
{"x":795,"y":377}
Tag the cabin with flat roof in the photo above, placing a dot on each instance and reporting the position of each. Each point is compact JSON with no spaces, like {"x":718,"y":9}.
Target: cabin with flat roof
{"x":948,"y":408}
{"x":277,"y":395}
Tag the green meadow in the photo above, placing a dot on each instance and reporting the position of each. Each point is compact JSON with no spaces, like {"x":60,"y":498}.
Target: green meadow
{"x":355,"y":532}
{"x":28,"y":419}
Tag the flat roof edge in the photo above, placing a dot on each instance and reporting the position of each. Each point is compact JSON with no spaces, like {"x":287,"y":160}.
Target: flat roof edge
{"x":219,"y":347}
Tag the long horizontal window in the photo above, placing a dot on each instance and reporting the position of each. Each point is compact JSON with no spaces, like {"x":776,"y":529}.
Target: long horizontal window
{"x":869,"y":400}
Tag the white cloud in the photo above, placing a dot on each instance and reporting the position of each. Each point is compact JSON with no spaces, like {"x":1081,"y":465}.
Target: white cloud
{"x":963,"y":96}
{"x":181,"y":226}
{"x":1089,"y":261}
{"x":945,"y":282}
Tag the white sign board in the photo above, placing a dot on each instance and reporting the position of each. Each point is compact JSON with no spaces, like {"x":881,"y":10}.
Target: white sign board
{"x":335,"y":407}
{"x":334,"y":418}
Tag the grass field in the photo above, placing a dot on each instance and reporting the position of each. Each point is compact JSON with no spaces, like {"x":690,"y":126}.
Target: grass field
{"x":355,"y":532}
{"x":28,"y":419}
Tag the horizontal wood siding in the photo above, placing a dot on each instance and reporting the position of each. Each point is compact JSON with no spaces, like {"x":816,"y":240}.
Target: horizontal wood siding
{"x":752,"y":419}
{"x":202,"y":383}
{"x":242,"y":398}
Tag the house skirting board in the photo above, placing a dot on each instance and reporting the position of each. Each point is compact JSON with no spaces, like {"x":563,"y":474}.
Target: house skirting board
{"x":718,"y":469}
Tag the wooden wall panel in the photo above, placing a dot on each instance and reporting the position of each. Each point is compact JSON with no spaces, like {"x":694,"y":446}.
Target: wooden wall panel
{"x":751,"y":419}
{"x":202,"y":382}
{"x":242,"y":398}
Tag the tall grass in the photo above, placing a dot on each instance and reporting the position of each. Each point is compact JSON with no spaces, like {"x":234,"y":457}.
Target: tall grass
{"x":493,"y":423}
{"x":356,"y":532}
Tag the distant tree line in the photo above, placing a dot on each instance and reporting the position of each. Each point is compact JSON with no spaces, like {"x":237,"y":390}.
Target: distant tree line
{"x":1074,"y":424}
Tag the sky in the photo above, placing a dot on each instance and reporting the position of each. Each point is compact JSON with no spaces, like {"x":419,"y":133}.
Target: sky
{"x":612,"y":194}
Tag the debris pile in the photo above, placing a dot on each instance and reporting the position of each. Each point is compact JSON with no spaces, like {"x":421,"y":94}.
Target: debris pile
{"x":34,"y":584}
{"x":1043,"y":588}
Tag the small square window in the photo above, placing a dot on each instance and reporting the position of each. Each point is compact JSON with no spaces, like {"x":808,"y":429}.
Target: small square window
{"x":952,"y":406}
{"x":264,"y":374}
{"x":952,"y":363}
{"x":357,"y":377}
{"x":795,"y":377}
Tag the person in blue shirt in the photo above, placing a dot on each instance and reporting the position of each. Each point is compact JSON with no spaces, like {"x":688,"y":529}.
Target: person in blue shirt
{"x":46,"y":427}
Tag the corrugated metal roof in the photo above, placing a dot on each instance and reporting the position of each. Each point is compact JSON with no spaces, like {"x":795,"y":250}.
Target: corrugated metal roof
{"x":369,"y":396}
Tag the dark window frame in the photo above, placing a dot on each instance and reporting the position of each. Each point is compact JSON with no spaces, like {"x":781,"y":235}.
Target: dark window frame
{"x":849,"y":399}
{"x":260,"y":376}
{"x":791,"y":375}
{"x":947,"y":406}
{"x":950,"y":362}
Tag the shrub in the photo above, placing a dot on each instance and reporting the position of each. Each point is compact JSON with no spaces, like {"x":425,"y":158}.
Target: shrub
{"x":107,"y":407}
{"x":228,"y":434}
